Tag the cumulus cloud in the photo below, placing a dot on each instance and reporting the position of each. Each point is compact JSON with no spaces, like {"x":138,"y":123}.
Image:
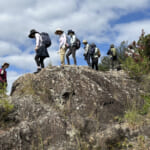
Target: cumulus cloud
{"x":8,"y":49}
{"x":131,"y":31}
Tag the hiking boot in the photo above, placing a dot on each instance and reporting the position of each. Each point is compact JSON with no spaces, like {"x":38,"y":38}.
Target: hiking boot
{"x":38,"y":70}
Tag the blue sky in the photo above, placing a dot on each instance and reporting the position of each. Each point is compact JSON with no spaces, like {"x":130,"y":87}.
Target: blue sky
{"x":100,"y":21}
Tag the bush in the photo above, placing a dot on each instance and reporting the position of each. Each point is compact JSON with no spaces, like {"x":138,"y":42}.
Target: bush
{"x":146,"y":107}
{"x":105,"y":64}
{"x":5,"y":108}
{"x":135,"y":69}
{"x":133,"y":117}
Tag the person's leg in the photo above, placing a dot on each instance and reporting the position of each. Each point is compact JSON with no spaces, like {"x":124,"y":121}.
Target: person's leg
{"x":88,"y":60}
{"x":96,"y":63}
{"x":42,"y":62}
{"x":67,"y":56}
{"x":62,"y":56}
{"x":112,"y":63}
{"x":92,"y":63}
{"x":91,"y":60}
{"x":37,"y":60}
{"x":74,"y":55}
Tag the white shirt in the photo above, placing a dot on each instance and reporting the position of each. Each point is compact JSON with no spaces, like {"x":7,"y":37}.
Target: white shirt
{"x":62,"y":40}
{"x":96,"y":52}
{"x":72,"y":40}
{"x":38,"y":40}
{"x":86,"y":49}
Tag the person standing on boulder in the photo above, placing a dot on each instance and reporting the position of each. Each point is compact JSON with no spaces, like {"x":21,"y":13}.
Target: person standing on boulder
{"x":63,"y":44}
{"x":3,"y":76}
{"x":113,"y":55}
{"x":86,"y":52}
{"x":95,"y":58}
{"x":40,"y":49}
{"x":95,"y":54}
{"x":72,"y":48}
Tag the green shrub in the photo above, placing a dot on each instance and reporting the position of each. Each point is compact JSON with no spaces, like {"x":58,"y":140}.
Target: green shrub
{"x":105,"y":64}
{"x":146,"y":107}
{"x":5,"y":108}
{"x":3,"y":89}
{"x":135,"y":69}
{"x":133,"y":117}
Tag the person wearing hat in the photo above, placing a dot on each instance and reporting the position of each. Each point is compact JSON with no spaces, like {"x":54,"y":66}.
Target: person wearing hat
{"x":3,"y":75}
{"x":63,"y":44}
{"x":86,"y":52}
{"x":95,"y":58}
{"x":40,"y":49}
{"x":112,"y":52}
{"x":72,"y":48}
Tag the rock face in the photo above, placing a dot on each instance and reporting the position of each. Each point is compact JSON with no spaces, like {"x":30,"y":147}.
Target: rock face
{"x":67,"y":108}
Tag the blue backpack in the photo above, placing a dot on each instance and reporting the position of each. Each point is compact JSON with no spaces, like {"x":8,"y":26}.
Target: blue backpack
{"x":92,"y":49}
{"x":67,"y":41}
{"x":46,"y":39}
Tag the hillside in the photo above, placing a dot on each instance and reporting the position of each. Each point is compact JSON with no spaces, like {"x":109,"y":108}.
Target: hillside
{"x":70,"y":108}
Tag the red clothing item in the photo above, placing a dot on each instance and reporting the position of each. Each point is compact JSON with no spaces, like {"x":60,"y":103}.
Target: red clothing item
{"x":3,"y":77}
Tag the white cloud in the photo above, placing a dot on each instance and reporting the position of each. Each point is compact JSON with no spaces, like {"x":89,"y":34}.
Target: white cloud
{"x":131,"y":31}
{"x":8,"y":49}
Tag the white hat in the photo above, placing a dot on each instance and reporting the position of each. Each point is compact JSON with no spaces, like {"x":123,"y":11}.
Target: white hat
{"x":58,"y":30}
{"x":85,"y":41}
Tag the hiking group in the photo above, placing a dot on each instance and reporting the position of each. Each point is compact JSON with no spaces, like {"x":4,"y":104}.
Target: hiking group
{"x":68,"y":45}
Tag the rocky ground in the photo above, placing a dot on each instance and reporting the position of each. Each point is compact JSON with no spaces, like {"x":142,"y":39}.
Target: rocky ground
{"x":71,"y":108}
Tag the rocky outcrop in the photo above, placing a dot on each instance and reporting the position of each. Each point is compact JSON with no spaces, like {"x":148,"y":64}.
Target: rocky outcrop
{"x":67,"y":108}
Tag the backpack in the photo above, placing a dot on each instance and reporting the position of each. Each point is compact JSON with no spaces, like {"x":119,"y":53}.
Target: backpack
{"x":113,"y":52}
{"x":67,"y":41}
{"x":92,"y":49}
{"x":78,"y":43}
{"x":46,"y":39}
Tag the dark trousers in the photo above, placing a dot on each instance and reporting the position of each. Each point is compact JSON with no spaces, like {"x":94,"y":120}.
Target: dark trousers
{"x":72,"y":51}
{"x":95,"y":63}
{"x":89,"y":59}
{"x":39,"y":61}
{"x":113,"y":61}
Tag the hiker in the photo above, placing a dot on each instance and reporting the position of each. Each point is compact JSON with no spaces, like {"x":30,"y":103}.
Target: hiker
{"x":42,"y":43}
{"x":72,"y":48}
{"x":95,"y":53}
{"x":86,"y":52}
{"x":3,"y":76}
{"x":130,"y":52}
{"x":113,"y":55}
{"x":63,"y":44}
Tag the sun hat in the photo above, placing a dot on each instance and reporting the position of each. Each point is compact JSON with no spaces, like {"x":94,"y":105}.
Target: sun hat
{"x":84,"y":41}
{"x":71,"y":31}
{"x":58,"y":30}
{"x":32,"y":32}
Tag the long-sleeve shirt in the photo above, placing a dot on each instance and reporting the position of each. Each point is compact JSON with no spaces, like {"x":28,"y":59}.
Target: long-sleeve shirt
{"x":72,"y":40}
{"x":96,"y":52}
{"x":86,"y":48}
{"x":62,"y":40}
{"x":38,"y":40}
{"x":3,"y":76}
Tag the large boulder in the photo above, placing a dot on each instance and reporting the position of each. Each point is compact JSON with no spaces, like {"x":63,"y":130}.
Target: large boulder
{"x":64,"y":107}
